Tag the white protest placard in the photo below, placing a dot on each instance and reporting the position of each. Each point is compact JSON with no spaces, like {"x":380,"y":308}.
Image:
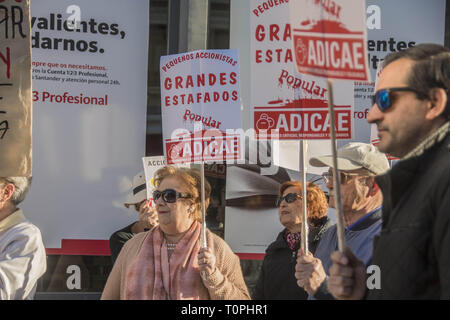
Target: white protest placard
{"x":329,"y":38}
{"x":287,"y":105}
{"x":201,"y":87}
{"x":151,"y":165}
{"x":90,"y":90}
{"x":15,"y":89}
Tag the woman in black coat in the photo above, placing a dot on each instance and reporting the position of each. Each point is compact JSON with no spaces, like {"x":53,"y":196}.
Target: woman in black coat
{"x":276,"y":280}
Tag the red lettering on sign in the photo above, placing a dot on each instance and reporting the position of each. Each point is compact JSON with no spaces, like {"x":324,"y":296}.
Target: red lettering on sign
{"x":7,"y":60}
{"x":302,"y":119}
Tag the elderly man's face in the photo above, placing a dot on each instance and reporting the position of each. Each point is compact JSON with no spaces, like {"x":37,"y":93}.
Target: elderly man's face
{"x":353,"y":192}
{"x":402,"y":125}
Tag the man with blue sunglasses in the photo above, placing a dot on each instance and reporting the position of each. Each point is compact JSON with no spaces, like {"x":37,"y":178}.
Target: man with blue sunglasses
{"x":412,"y":111}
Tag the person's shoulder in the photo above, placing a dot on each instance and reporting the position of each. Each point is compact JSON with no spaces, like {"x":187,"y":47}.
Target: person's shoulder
{"x":331,"y":229}
{"x":137,"y":239}
{"x":217,"y":243}
{"x":23,"y":238}
{"x":26,"y":229}
{"x":121,"y":236}
{"x":131,"y":248}
{"x":278,"y":243}
{"x":437,"y":172}
{"x":215,"y":238}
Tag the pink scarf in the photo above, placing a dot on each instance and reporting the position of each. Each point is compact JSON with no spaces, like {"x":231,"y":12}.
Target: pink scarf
{"x":152,"y":276}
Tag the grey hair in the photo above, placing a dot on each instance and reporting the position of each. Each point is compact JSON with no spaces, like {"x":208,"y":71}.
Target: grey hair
{"x":21,"y":187}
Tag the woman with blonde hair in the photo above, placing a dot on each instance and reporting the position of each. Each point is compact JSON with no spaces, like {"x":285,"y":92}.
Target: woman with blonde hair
{"x":276,"y":279}
{"x":168,"y":262}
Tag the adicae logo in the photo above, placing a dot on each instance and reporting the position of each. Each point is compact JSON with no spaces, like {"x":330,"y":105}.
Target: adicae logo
{"x":301,"y":51}
{"x":265,"y":122}
{"x":176,"y":151}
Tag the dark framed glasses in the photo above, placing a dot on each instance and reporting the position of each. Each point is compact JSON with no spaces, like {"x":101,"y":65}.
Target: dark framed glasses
{"x":289,"y":198}
{"x":169,"y":195}
{"x":383,"y":97}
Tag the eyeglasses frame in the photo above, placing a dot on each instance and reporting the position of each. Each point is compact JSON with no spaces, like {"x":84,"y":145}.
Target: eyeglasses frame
{"x":178,"y":195}
{"x":391,"y":90}
{"x":280,"y":199}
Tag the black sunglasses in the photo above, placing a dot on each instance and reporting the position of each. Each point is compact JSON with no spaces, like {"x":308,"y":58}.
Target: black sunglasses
{"x":383,"y":97}
{"x":289,"y":198}
{"x":169,"y":195}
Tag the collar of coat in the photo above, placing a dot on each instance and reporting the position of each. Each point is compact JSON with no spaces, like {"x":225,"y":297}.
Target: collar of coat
{"x":11,"y":220}
{"x":429,"y":141}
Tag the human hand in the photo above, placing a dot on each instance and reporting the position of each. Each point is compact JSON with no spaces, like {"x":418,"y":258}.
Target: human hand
{"x":347,"y":279}
{"x":148,"y":217}
{"x":309,"y":272}
{"x":206,"y":261}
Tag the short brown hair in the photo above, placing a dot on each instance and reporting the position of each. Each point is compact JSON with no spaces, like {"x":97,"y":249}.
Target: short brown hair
{"x":317,"y":203}
{"x":192,"y":181}
{"x":431,"y":69}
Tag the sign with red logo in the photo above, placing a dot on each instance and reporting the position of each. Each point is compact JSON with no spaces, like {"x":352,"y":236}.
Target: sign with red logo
{"x":200,"y":106}
{"x":206,"y":145}
{"x":301,"y":119}
{"x":287,"y":105}
{"x":329,"y":38}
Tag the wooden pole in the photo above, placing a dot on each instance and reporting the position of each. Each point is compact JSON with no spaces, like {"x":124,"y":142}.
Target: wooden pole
{"x":336,"y":176}
{"x":304,"y":234}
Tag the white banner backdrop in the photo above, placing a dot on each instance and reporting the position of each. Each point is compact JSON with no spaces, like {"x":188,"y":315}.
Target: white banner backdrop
{"x":89,"y":126}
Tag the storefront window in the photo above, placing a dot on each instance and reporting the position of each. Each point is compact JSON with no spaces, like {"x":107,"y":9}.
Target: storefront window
{"x":83,"y":277}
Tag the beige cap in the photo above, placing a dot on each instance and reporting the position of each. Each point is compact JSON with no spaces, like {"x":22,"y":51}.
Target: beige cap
{"x":353,"y":156}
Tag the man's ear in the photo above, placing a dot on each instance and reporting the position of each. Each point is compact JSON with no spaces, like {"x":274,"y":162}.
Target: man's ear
{"x":6,"y":192}
{"x":374,"y":188}
{"x":437,"y":103}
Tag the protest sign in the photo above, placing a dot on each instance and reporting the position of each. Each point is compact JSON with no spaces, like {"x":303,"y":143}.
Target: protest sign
{"x":287,"y":105}
{"x":89,"y":133}
{"x":15,"y":89}
{"x":304,"y":117}
{"x":151,"y":165}
{"x":201,"y":88}
{"x":329,"y":38}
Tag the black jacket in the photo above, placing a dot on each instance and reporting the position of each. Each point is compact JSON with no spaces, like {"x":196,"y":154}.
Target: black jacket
{"x":413,"y":249}
{"x":277,"y":280}
{"x":118,"y":239}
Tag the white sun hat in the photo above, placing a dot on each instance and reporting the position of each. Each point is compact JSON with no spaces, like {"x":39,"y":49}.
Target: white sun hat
{"x":138,"y":190}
